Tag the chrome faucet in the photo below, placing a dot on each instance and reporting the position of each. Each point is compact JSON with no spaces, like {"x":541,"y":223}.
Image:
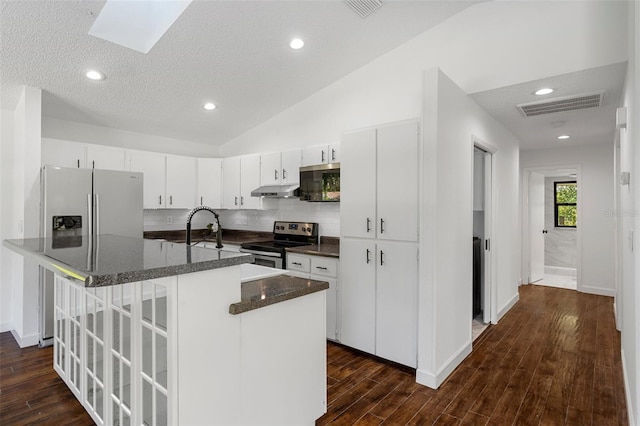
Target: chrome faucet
{"x":218,"y":233}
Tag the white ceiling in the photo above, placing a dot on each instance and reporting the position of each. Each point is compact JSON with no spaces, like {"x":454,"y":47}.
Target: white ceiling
{"x":233,"y":53}
{"x":585,"y":126}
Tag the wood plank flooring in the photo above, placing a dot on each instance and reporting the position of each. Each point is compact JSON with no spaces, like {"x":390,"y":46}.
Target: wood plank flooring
{"x":554,"y":359}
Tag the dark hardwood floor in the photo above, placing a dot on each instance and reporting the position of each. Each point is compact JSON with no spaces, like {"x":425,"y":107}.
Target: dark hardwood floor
{"x":554,"y":359}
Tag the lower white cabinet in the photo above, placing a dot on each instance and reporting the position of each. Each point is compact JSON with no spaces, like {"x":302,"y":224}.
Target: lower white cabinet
{"x":320,"y":268}
{"x":379,"y":290}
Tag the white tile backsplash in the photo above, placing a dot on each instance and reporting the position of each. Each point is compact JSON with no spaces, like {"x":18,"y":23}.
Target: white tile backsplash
{"x":327,"y":215}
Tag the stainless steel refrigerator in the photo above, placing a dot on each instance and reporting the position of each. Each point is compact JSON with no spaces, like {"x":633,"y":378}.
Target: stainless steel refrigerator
{"x":84,"y":202}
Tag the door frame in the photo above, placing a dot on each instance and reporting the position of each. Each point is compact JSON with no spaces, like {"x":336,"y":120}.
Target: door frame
{"x":524,"y":209}
{"x":490,"y":304}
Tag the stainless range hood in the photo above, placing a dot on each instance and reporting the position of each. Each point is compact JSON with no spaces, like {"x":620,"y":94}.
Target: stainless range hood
{"x":276,"y":191}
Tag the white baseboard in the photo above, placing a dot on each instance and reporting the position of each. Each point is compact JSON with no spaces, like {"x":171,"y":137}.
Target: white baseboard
{"x":432,"y":380}
{"x":5,"y":326}
{"x":560,"y":270}
{"x":627,"y":391}
{"x":508,"y":306}
{"x":24,"y":341}
{"x":597,"y":290}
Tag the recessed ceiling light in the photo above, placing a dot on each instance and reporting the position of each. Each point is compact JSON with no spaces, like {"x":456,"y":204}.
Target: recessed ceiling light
{"x":564,"y":137}
{"x":544,"y":91}
{"x":296,"y":43}
{"x":95,"y":75}
{"x":209,"y":106}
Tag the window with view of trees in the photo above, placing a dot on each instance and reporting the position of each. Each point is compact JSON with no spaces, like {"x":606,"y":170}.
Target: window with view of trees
{"x":565,"y":200}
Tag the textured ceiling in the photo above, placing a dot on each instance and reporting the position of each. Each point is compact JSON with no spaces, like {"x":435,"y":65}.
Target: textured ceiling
{"x":585,"y":126}
{"x":233,"y":53}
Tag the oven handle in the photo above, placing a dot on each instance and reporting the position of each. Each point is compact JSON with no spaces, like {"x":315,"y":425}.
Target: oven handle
{"x":261,"y":253}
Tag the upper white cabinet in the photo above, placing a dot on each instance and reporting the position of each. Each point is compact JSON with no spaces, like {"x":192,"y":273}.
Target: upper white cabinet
{"x":240,"y":176}
{"x":181,"y":182}
{"x":105,"y":157}
{"x":61,"y":153}
{"x":152,"y":165}
{"x":379,"y":183}
{"x":279,"y":168}
{"x":209,"y":182}
{"x":321,"y":154}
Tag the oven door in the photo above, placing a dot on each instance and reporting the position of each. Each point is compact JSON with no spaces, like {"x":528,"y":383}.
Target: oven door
{"x":265,"y":258}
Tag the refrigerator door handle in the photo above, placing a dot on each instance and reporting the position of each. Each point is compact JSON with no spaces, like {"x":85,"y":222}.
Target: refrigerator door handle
{"x":89,"y":216}
{"x":97,"y":214}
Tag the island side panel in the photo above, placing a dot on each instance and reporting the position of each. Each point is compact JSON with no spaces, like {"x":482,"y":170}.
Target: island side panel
{"x":208,"y":347}
{"x":283,"y":369}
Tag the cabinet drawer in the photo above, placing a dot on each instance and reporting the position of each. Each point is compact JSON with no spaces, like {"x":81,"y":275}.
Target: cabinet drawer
{"x":324,"y":266}
{"x":298,"y":263}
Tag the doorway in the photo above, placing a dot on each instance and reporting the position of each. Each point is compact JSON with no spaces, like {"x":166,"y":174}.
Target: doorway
{"x":482,"y":295}
{"x":552,"y":232}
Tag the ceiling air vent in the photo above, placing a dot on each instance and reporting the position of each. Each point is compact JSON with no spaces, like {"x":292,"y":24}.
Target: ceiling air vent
{"x":364,"y":8}
{"x":569,"y":103}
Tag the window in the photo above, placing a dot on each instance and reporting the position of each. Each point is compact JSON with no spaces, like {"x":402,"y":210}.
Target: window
{"x":565,"y":197}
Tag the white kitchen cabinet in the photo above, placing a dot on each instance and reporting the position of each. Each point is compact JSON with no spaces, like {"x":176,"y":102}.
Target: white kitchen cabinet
{"x":181,"y":182}
{"x":240,"y":176}
{"x":209,"y":182}
{"x":321,"y":154}
{"x":105,"y":157}
{"x":379,"y":289}
{"x":320,"y":268}
{"x":62,"y":153}
{"x":379,"y":183}
{"x":152,"y":165}
{"x":278,"y":168}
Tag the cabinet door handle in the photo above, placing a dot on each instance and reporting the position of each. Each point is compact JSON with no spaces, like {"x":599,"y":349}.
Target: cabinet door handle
{"x":275,"y":174}
{"x":284,"y":174}
{"x":297,"y":263}
{"x":381,"y":257}
{"x":200,"y":200}
{"x":235,"y":200}
{"x":323,"y":155}
{"x":333,"y":155}
{"x":321,"y":267}
{"x":242,"y":200}
{"x":368,"y":225}
{"x":93,"y":164}
{"x":368,"y":256}
{"x":78,"y":163}
{"x":160,"y":199}
{"x":170,"y":200}
{"x":381,"y":225}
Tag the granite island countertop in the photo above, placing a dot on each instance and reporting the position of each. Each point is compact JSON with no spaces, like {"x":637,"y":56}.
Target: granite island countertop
{"x":268,"y":291}
{"x":110,"y":260}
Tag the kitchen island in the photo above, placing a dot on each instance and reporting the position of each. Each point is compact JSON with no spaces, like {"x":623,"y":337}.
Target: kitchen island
{"x":161,"y":333}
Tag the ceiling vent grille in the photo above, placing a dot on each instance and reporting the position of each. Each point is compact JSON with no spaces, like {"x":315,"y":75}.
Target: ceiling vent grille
{"x":569,"y":103}
{"x":364,"y":8}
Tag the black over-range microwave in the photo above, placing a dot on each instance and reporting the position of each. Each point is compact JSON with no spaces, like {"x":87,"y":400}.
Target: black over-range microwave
{"x":320,"y":183}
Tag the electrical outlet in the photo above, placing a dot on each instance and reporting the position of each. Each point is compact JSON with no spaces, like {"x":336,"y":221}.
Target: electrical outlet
{"x":169,"y":220}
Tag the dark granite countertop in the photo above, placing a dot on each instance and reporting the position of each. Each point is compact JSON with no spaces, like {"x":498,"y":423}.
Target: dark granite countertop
{"x":326,"y":250}
{"x":267,"y":291}
{"x":229,"y":236}
{"x":109,"y":259}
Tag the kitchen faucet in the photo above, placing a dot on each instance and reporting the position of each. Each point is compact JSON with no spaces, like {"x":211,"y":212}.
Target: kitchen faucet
{"x":218,"y":233}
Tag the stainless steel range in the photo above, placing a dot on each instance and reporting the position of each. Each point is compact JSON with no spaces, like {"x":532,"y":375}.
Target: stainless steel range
{"x":285,"y":234}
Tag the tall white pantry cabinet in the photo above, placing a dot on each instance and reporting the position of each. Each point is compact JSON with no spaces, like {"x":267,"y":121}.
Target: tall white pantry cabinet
{"x":379,"y":241}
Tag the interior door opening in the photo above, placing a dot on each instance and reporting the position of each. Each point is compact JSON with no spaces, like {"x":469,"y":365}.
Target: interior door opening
{"x":482,"y":190}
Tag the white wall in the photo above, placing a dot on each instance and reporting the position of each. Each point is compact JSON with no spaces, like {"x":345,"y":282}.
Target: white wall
{"x":451,"y":121}
{"x":20,"y":147}
{"x":470,"y":48}
{"x":596,"y":208}
{"x":627,"y":292}
{"x":78,"y":132}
